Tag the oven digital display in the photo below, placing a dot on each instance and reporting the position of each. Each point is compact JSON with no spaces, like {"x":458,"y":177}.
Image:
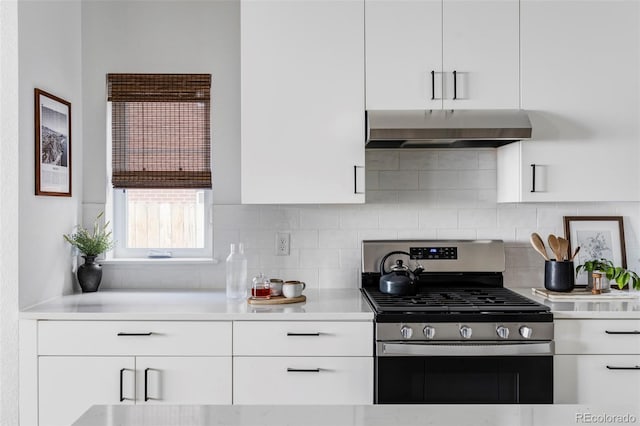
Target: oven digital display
{"x":446,"y":253}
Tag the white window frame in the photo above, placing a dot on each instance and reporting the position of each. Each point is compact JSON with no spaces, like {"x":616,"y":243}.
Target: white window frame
{"x":120,"y":216}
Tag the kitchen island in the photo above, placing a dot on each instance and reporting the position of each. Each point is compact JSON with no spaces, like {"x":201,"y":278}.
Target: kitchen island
{"x":374,"y":415}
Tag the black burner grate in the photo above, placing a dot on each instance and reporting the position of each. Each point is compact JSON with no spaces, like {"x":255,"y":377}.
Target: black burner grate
{"x":458,"y":300}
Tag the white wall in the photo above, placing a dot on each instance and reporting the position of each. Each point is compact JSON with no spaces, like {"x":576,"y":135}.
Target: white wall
{"x":8,"y":213}
{"x":163,"y":37}
{"x":49,"y":59}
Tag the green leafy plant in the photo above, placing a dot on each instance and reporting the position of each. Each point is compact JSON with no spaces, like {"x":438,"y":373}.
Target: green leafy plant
{"x":620,"y":275}
{"x":91,"y":243}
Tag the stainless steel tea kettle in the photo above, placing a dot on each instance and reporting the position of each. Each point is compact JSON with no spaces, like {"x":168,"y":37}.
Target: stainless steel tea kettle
{"x":400,"y":281}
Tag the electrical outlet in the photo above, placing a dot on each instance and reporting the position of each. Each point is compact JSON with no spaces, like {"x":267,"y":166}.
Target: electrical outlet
{"x":282,"y":243}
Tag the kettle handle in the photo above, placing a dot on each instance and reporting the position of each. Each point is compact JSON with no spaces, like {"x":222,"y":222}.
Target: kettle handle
{"x":382,"y":271}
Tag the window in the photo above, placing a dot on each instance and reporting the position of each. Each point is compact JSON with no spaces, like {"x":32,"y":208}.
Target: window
{"x":160,"y":166}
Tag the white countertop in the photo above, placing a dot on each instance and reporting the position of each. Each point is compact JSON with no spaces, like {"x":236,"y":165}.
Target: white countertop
{"x":327,"y":305}
{"x":349,"y":415}
{"x":593,"y":309}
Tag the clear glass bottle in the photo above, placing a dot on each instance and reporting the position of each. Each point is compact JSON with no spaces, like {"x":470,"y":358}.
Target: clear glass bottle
{"x":236,"y":269}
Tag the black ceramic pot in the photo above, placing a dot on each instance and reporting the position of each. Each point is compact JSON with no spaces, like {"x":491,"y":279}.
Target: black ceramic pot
{"x":559,"y":276}
{"x":89,"y":274}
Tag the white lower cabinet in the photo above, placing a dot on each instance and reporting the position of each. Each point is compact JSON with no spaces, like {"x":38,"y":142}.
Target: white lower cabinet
{"x":303,"y":380}
{"x":596,"y":379}
{"x":83,"y":363}
{"x":69,"y":385}
{"x":302,"y":362}
{"x":597,"y":361}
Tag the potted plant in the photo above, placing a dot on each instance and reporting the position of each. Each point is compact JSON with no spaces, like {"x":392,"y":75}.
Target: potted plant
{"x":621,"y":276}
{"x":90,"y":244}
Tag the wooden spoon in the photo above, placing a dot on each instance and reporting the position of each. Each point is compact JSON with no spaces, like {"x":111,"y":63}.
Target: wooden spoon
{"x":564,"y":248}
{"x":555,"y":246}
{"x":575,"y":253}
{"x":538,"y":245}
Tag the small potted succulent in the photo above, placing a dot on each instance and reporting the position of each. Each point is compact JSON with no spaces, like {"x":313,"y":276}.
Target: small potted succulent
{"x":619,"y":275}
{"x":90,"y":244}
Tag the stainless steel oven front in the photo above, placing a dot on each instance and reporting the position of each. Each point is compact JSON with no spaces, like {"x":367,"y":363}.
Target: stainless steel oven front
{"x":418,"y":371}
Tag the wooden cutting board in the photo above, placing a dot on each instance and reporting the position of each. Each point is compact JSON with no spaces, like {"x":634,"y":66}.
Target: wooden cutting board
{"x":277,"y":300}
{"x":581,"y":294}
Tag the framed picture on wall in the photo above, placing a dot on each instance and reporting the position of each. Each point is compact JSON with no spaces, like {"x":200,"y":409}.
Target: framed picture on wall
{"x":53,"y":145}
{"x":599,"y":237}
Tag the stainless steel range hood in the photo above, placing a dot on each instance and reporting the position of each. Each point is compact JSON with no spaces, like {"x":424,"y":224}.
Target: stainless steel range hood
{"x":445,"y":128}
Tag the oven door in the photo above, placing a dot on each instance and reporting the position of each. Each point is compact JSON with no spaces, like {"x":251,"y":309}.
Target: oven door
{"x":414,"y":373}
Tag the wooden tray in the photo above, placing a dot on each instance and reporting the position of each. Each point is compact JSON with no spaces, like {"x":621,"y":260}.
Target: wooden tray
{"x":277,"y":300}
{"x":581,"y":294}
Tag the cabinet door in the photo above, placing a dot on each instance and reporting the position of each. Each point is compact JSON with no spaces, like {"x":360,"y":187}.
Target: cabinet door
{"x":585,"y":379}
{"x":183,"y":380}
{"x":403,"y":47}
{"x":69,"y":385}
{"x":581,"y":86}
{"x":302,"y":109}
{"x":481,"y":43}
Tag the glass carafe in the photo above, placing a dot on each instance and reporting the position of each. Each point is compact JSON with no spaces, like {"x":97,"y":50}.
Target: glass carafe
{"x":236,"y":269}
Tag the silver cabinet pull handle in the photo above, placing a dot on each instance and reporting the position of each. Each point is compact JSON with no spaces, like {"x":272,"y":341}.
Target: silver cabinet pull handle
{"x":303,"y":370}
{"x":636,"y":367}
{"x":317,"y":333}
{"x":135,"y":334}
{"x":622,"y":332}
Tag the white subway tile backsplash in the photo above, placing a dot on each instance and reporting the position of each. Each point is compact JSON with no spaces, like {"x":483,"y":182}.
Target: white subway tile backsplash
{"x":400,"y":180}
{"x":339,"y":278}
{"x":277,"y":217}
{"x":372,"y":180}
{"x":394,"y":218}
{"x":511,"y":218}
{"x":382,"y":160}
{"x":426,"y":198}
{"x":461,"y":198}
{"x":423,"y":234}
{"x":329,"y":238}
{"x":439,"y":179}
{"x":418,"y":160}
{"x":377,"y":234}
{"x":457,"y":159}
{"x":487,"y":159}
{"x":304,"y":239}
{"x":350,"y":258}
{"x":477,"y":179}
{"x":319,"y":218}
{"x":319,"y":258}
{"x":456,"y":234}
{"x":257,"y":239}
{"x":361,"y":217}
{"x":508,"y":235}
{"x":438,"y":218}
{"x":236,"y":217}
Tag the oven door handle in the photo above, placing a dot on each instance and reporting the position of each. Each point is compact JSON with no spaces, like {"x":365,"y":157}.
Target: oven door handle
{"x":476,"y":349}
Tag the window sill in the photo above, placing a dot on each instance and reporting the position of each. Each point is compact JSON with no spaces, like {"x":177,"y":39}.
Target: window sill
{"x":159,"y":261}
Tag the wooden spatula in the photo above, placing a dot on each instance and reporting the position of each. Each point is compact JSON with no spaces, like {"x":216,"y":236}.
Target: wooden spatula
{"x":554,"y":244}
{"x":538,"y":245}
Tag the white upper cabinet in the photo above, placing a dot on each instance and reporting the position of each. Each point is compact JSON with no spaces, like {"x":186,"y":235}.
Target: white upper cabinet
{"x":302,"y":101}
{"x":581,"y":87}
{"x":432,"y":54}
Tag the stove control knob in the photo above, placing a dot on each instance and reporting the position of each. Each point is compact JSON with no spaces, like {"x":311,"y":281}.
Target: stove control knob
{"x":503,"y":332}
{"x":526,"y":332}
{"x":406,"y":332}
{"x":466,"y":332}
{"x":429,"y":332}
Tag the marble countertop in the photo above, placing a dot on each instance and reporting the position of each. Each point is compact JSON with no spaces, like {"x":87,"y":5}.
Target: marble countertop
{"x":364,"y":415}
{"x":592,"y":309}
{"x":326,"y":305}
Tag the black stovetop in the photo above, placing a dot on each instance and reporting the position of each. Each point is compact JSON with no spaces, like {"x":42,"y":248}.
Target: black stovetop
{"x":444,"y":304}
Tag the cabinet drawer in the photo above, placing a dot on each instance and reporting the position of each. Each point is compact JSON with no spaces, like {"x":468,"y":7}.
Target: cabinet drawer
{"x":303,"y":380}
{"x":585,"y":379}
{"x":313,"y":338}
{"x":134,"y":338}
{"x":597,"y":336}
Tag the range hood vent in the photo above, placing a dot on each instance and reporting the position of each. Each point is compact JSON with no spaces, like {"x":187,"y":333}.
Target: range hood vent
{"x":445,"y":128}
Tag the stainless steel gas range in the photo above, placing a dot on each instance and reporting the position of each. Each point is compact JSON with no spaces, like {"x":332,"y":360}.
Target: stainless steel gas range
{"x":448,"y":332}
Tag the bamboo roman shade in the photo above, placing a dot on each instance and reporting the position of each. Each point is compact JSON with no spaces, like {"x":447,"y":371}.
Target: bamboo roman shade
{"x":160,"y":130}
